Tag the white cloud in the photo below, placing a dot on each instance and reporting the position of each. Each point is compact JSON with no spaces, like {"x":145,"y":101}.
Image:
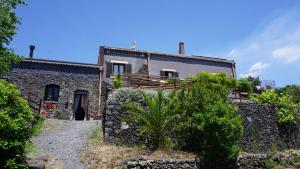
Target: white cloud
{"x":281,"y":32}
{"x":274,"y":47}
{"x":288,"y":54}
{"x":256,"y":69}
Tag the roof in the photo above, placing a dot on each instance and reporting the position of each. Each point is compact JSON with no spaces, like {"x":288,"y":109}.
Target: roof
{"x":66,"y":63}
{"x":214,"y":59}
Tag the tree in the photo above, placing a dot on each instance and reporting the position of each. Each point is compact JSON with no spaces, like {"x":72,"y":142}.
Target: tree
{"x":209,"y":123}
{"x":255,"y":81}
{"x":8,"y":22}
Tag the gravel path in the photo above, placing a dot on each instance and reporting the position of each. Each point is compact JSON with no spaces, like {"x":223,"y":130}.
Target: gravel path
{"x":65,"y":141}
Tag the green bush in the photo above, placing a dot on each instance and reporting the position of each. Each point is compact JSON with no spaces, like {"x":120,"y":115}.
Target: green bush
{"x":208,"y":122}
{"x":117,"y":82}
{"x":291,"y":90}
{"x":254,"y":81}
{"x":154,"y":120}
{"x":244,"y":85}
{"x":198,"y":117}
{"x":270,"y":163}
{"x":287,"y":108}
{"x":15,"y":126}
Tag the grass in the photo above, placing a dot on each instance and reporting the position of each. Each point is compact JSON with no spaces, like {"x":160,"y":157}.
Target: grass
{"x":31,"y":148}
{"x":95,"y":135}
{"x":103,"y":155}
{"x":38,"y":126}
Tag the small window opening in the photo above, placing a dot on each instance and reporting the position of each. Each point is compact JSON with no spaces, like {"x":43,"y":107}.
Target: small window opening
{"x":169,"y":74}
{"x":52,"y":93}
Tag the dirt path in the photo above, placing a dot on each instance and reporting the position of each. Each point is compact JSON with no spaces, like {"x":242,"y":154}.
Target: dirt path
{"x":62,"y":141}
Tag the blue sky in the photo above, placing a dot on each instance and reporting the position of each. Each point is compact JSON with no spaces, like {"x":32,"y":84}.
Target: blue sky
{"x":262,"y":36}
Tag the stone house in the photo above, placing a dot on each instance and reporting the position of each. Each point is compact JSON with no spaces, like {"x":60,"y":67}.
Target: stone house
{"x":70,"y":90}
{"x":64,"y":90}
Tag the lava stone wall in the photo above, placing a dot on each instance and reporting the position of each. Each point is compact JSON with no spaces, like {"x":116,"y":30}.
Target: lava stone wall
{"x":32,"y":78}
{"x":115,"y":128}
{"x":164,"y":163}
{"x":262,"y":130}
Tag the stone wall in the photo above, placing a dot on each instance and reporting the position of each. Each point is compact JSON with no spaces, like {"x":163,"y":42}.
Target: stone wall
{"x":162,"y":163}
{"x":262,"y":130}
{"x":32,"y":79}
{"x":244,"y":161}
{"x":115,"y":128}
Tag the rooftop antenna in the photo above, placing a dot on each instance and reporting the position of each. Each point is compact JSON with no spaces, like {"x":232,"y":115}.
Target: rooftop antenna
{"x":133,"y":45}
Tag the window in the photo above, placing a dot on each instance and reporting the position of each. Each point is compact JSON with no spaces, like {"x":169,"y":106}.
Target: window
{"x":114,"y":67}
{"x":51,"y":93}
{"x":118,"y":68}
{"x":169,"y":74}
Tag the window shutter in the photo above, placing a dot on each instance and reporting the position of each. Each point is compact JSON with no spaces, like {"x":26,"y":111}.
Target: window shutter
{"x":128,"y":68}
{"x":162,"y":75}
{"x":108,"y":69}
{"x":176,"y":74}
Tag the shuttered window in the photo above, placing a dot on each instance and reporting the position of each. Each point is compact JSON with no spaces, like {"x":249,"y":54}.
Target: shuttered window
{"x":117,"y":68}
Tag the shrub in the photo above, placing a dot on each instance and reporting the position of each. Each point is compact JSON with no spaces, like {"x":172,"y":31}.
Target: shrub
{"x":270,"y":163}
{"x":291,"y":90}
{"x":117,"y":82}
{"x":254,"y":81}
{"x":208,"y":122}
{"x":15,"y":126}
{"x":287,"y":108}
{"x":244,"y":86}
{"x":152,"y":121}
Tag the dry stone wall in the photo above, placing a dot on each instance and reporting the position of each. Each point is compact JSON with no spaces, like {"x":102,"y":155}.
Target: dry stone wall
{"x":262,"y":132}
{"x":115,"y":128}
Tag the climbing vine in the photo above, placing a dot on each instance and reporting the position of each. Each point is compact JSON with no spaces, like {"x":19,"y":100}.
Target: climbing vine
{"x":288,"y":110}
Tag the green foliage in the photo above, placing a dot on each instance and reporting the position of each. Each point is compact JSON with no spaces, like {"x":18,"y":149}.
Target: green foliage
{"x":268,"y":97}
{"x":291,"y":90}
{"x":117,"y":82}
{"x":38,"y":125}
{"x":154,"y":120}
{"x":270,"y":163}
{"x":254,"y":81}
{"x":208,"y":122}
{"x":15,"y":126}
{"x":8,"y":22}
{"x":30,"y":148}
{"x":244,"y":85}
{"x":197,"y":117}
{"x":95,"y":135}
{"x":287,"y":108}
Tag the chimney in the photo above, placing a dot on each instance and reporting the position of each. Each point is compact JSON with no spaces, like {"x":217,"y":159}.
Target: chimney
{"x":31,"y":48}
{"x":181,"y":48}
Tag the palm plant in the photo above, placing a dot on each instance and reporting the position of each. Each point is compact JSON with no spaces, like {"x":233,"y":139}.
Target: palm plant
{"x":153,"y":120}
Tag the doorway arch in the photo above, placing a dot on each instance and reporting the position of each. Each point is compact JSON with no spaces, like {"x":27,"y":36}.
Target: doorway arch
{"x":80,"y":107}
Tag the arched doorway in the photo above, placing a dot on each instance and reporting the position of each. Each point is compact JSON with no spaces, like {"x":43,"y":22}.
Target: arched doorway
{"x":80,"y":107}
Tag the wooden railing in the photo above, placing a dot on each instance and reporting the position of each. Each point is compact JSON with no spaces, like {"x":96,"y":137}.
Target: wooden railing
{"x":150,"y":81}
{"x":35,"y":103}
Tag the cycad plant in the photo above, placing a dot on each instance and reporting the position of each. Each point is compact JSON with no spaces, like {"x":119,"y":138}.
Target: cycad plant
{"x":154,"y":119}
